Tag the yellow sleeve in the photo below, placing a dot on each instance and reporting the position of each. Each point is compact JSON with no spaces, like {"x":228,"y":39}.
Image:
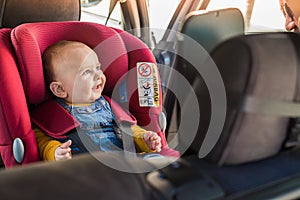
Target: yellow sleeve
{"x":46,"y":144}
{"x":138,"y":136}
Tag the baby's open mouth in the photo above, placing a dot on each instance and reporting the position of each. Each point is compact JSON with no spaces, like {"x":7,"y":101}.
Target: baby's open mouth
{"x":97,"y":87}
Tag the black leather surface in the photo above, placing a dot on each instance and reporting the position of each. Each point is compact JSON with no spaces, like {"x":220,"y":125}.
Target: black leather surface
{"x":15,"y":12}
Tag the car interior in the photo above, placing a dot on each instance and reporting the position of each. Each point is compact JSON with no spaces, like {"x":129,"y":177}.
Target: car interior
{"x":233,"y":97}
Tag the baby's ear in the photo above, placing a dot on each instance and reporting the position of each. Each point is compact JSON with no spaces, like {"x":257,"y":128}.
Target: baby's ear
{"x":57,"y":89}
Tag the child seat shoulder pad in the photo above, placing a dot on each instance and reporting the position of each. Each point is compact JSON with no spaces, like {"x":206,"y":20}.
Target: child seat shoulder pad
{"x":61,"y":120}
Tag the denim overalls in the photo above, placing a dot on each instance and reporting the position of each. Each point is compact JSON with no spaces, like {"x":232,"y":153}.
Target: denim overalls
{"x":97,"y":122}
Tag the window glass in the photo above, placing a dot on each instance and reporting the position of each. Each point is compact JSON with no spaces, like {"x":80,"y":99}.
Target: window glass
{"x":98,"y":13}
{"x":219,"y":4}
{"x":266,"y":15}
{"x":160,"y":14}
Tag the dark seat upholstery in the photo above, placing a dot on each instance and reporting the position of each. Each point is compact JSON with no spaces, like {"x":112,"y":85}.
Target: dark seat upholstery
{"x":250,"y":147}
{"x":15,"y":12}
{"x":260,"y":78}
{"x":252,"y":67}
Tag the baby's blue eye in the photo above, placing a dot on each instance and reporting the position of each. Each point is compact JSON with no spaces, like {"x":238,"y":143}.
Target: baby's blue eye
{"x":86,"y":72}
{"x":98,"y":68}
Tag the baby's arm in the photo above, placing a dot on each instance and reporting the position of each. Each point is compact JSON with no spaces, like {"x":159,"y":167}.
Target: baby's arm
{"x":63,"y":152}
{"x":153,"y":140}
{"x":48,"y":146}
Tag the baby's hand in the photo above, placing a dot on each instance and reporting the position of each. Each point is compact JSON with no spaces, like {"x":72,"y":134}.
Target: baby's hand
{"x":153,"y":140}
{"x":63,"y":152}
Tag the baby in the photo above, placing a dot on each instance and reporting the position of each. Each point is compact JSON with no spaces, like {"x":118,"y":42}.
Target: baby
{"x":74,"y":75}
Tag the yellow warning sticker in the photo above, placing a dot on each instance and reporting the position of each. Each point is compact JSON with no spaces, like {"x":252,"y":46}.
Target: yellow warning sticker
{"x":148,"y":86}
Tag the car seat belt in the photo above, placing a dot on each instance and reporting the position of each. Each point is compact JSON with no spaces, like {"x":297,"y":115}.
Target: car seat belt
{"x":127,"y":139}
{"x":271,"y":107}
{"x":112,"y":6}
{"x":124,"y":122}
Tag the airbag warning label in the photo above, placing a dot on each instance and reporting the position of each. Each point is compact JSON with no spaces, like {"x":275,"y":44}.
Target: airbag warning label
{"x":148,"y":88}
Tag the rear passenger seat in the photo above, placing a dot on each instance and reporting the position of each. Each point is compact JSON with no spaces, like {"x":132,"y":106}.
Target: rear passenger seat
{"x":261,"y":79}
{"x":264,"y":68}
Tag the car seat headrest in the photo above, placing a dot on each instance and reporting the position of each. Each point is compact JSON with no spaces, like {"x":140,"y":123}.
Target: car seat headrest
{"x":30,"y":40}
{"x":212,"y":27}
{"x":16,"y":12}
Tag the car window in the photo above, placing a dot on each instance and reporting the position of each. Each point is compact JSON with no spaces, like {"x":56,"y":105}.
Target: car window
{"x":99,"y":12}
{"x":267,"y":16}
{"x":160,"y":14}
{"x":262,"y":16}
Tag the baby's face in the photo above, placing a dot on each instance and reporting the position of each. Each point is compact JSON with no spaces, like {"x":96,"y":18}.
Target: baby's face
{"x":81,"y":76}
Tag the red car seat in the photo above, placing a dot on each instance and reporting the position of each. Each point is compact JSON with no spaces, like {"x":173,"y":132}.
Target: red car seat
{"x":15,"y":126}
{"x":119,"y":53}
{"x":14,"y":118}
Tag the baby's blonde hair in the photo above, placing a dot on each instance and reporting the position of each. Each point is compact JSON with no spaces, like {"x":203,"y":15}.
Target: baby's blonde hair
{"x":52,"y":54}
